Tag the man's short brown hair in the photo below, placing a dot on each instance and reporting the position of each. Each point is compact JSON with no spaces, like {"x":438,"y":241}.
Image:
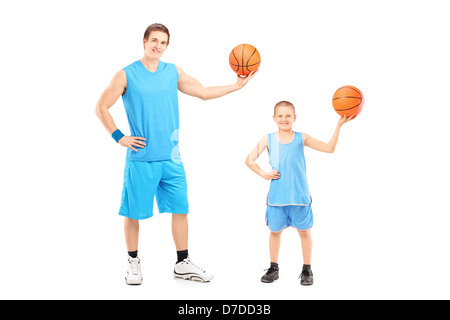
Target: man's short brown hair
{"x":157,"y":27}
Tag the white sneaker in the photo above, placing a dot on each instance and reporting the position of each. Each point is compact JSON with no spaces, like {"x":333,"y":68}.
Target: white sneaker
{"x":187,"y":270}
{"x":134,"y":275}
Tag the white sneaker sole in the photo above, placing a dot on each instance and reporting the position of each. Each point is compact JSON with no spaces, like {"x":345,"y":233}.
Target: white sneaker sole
{"x":190,"y":276}
{"x":133,"y":282}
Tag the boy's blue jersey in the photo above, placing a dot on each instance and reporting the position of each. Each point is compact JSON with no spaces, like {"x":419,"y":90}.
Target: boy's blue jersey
{"x":151,"y":105}
{"x":289,"y":160}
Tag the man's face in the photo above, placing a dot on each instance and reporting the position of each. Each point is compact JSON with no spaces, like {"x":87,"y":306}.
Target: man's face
{"x":156,"y":44}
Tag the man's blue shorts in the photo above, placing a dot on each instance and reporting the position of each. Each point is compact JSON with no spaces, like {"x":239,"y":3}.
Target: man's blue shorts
{"x":165,"y":180}
{"x":281,"y":217}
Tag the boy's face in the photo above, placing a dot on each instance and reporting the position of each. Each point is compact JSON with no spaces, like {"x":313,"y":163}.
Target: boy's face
{"x":156,"y":44}
{"x":284,"y":118}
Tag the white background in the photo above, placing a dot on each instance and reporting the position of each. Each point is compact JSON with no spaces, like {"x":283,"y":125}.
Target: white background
{"x":380,"y":206}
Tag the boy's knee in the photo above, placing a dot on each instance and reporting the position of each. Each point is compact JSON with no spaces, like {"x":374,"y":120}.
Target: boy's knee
{"x":179,"y":219}
{"x":304,"y":233}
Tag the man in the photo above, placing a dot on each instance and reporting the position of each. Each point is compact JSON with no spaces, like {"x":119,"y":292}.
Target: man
{"x":149,"y":89}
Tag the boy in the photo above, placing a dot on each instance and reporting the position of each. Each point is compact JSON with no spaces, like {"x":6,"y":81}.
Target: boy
{"x":289,"y":200}
{"x":153,"y":165}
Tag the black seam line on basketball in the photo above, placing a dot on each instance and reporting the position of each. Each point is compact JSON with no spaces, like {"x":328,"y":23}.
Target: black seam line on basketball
{"x":243,"y":50}
{"x":237,"y":61}
{"x":352,"y":89}
{"x":246,"y":65}
{"x":235,"y":57}
{"x":249,"y":65}
{"x":348,"y":108}
{"x":347,"y":97}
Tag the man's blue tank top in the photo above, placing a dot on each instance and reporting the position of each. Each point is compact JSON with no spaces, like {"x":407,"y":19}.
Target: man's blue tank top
{"x":151,"y":105}
{"x":289,"y":160}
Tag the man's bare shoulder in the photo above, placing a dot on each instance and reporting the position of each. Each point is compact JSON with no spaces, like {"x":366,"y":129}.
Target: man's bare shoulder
{"x":119,"y":81}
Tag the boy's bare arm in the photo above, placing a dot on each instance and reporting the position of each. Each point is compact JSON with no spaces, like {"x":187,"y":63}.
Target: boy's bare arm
{"x":250,"y":161}
{"x":322,"y":146}
{"x":193,"y":87}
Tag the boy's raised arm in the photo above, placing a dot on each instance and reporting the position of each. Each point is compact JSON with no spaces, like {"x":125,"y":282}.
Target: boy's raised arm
{"x":322,"y":146}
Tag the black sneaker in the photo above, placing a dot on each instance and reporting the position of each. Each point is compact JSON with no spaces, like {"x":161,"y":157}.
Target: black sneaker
{"x":271,"y":275}
{"x":306,"y":277}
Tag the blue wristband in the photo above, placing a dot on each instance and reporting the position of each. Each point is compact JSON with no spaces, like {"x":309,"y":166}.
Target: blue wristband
{"x":117,"y":135}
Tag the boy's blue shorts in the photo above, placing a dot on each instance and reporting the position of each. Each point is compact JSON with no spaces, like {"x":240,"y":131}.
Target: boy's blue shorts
{"x":281,"y":217}
{"x":165,"y":180}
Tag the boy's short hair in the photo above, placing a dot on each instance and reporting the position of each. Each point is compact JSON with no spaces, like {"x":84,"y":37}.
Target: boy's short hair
{"x":157,"y":27}
{"x":283,"y":104}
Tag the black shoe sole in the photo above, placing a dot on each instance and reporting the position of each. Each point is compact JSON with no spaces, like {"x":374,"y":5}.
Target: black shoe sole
{"x":268,"y":281}
{"x":309,"y":283}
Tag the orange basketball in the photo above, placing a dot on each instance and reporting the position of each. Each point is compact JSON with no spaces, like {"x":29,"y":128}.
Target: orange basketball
{"x":244,"y":59}
{"x":348,"y":101}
